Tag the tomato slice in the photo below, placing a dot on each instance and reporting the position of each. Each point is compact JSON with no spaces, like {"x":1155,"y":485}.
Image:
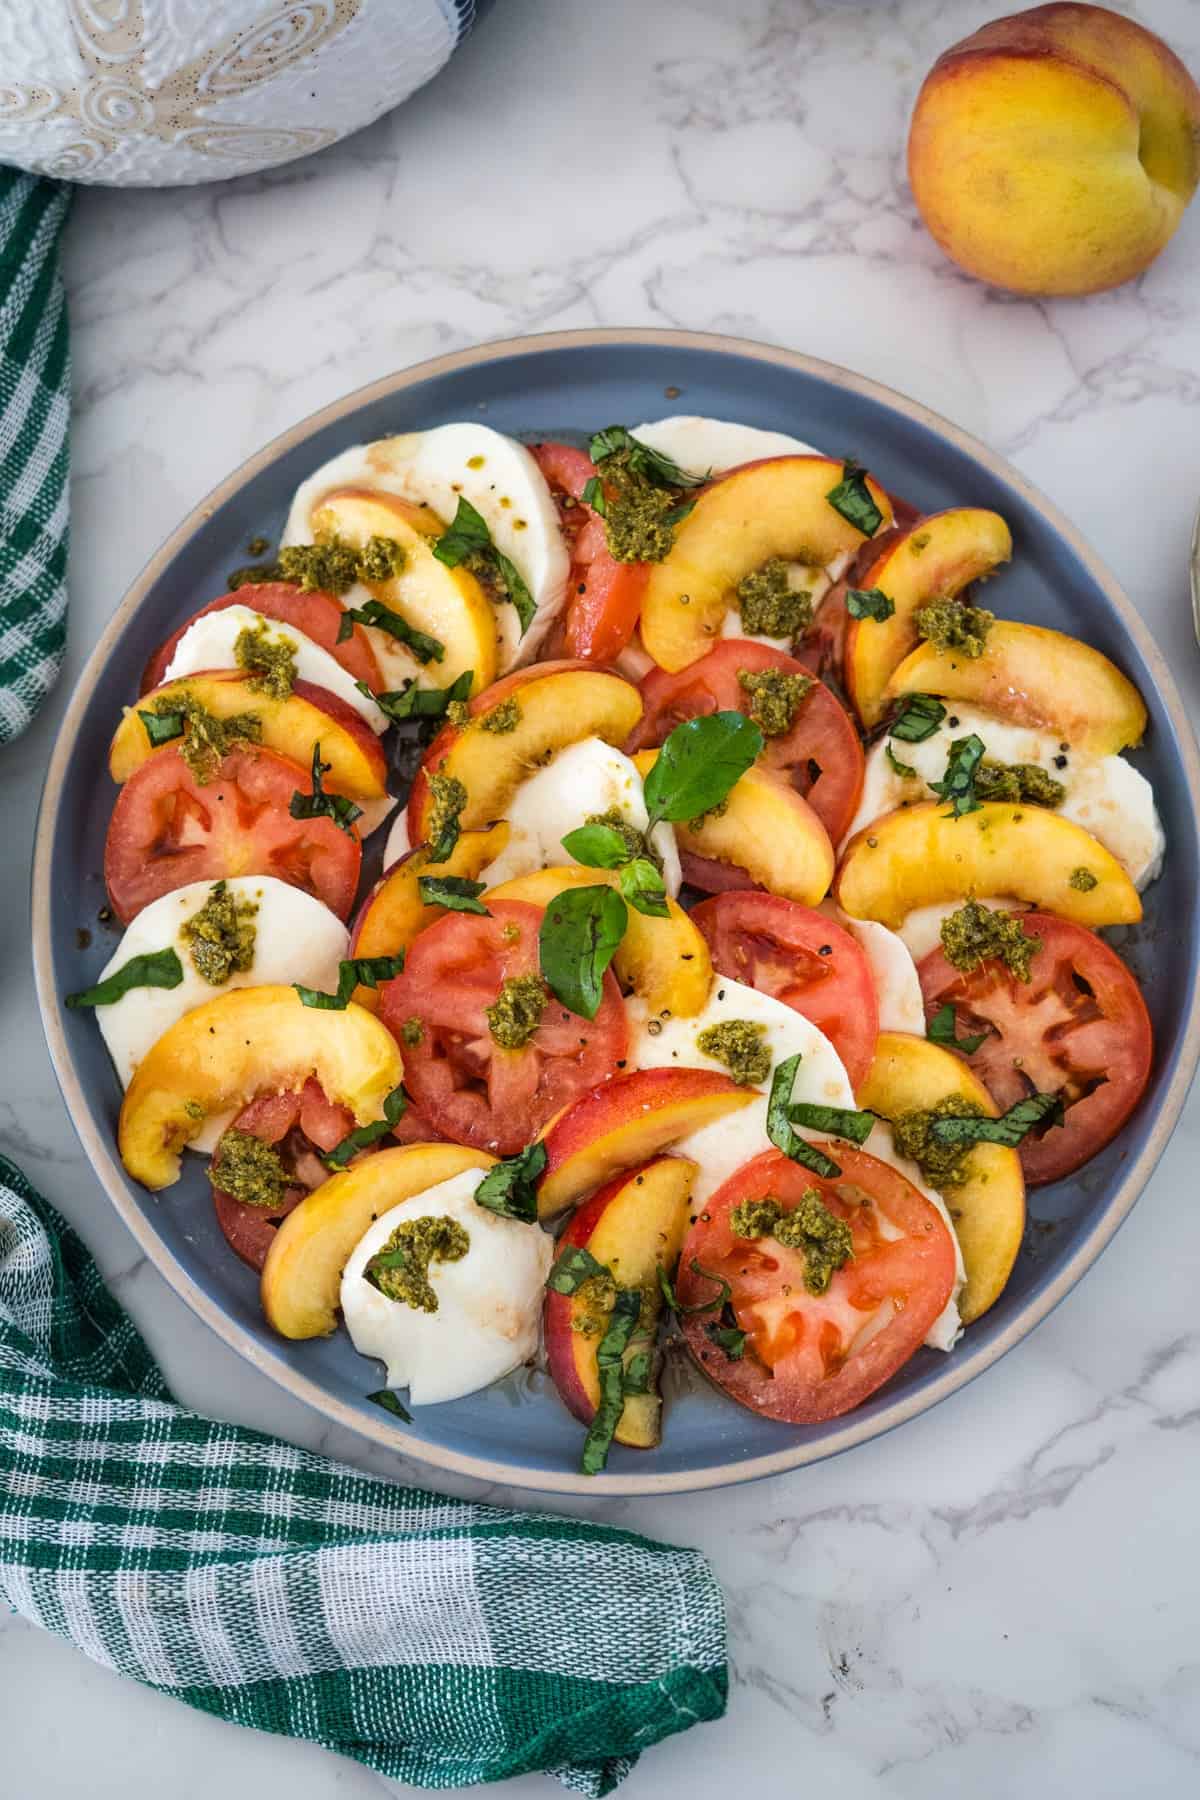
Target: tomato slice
{"x":820,"y":754}
{"x":167,"y":829}
{"x":302,"y":1123}
{"x":604,"y":601}
{"x":799,"y":956}
{"x":1077,"y":1028}
{"x":472,"y":1091}
{"x":807,"y":1356}
{"x":319,"y":616}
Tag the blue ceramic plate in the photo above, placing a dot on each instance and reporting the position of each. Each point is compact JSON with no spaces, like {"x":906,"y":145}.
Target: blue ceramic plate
{"x":569,"y":384}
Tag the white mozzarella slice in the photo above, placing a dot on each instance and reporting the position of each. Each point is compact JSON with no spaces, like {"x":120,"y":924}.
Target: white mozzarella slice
{"x":398,"y":843}
{"x":703,"y":446}
{"x":893,"y":971}
{"x":209,"y":643}
{"x":586,"y":778}
{"x":489,"y":1301}
{"x":500,"y":479}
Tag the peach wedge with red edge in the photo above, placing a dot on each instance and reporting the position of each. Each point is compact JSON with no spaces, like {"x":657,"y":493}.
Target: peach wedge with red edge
{"x":1035,"y":677}
{"x":302,"y":1274}
{"x":665,"y":961}
{"x":923,"y":856}
{"x":258,"y":1040}
{"x":779,"y":508}
{"x":625,"y":1122}
{"x":910,"y":1074}
{"x":293,"y":726}
{"x":635,"y":1226}
{"x":447,"y":604}
{"x":933,"y":560}
{"x":393,"y":912}
{"x":555,"y":710}
{"x":767,"y":829}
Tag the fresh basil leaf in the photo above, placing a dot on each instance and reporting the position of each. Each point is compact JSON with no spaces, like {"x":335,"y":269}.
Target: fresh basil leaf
{"x":643,"y":887}
{"x":162,"y":727}
{"x":779,"y":1124}
{"x":898,"y":767}
{"x":384,"y":1397}
{"x":1010,"y":1129}
{"x":918,"y":718}
{"x":466,"y":536}
{"x":373,"y":612}
{"x":672,"y":1299}
{"x":580,"y":933}
{"x":154,"y":969}
{"x":679,"y":513}
{"x":394,"y":1108}
{"x":454,"y":892}
{"x":575,"y":1266}
{"x":958,"y":784}
{"x":942,"y":1029}
{"x":729,"y":1338}
{"x":869,"y":603}
{"x":518,"y":592}
{"x":637,"y":1373}
{"x":838,"y":1121}
{"x":699,"y":763}
{"x":319,"y":804}
{"x":662,"y":470}
{"x":414,"y":702}
{"x":510,"y":1188}
{"x":853,"y":499}
{"x":596,"y":846}
{"x":368,"y":971}
{"x":593,"y":496}
{"x":610,"y":1367}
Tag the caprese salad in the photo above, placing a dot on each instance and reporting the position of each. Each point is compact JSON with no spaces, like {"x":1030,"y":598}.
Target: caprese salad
{"x":737,"y":958}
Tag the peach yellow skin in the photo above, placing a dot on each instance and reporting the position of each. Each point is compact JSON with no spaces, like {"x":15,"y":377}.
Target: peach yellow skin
{"x":1055,"y":151}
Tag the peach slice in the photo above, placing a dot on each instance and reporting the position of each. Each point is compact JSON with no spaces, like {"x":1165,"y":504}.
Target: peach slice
{"x":1036,"y":677}
{"x":778,"y":508}
{"x":933,"y":560}
{"x":556,"y":710}
{"x":922,"y":856}
{"x":308,"y":716}
{"x":910,"y":1074}
{"x":635,"y":1226}
{"x":665,"y":961}
{"x":258,"y":1040}
{"x":625,"y":1122}
{"x":393,"y":912}
{"x":448,"y":604}
{"x":767,"y":829}
{"x":303,"y":1271}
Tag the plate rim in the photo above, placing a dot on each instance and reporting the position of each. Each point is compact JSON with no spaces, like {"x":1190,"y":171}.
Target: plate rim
{"x":100,"y":1153}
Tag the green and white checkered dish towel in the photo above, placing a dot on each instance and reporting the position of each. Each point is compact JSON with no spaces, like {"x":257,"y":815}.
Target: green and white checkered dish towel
{"x":35,"y":376}
{"x":437,"y":1642}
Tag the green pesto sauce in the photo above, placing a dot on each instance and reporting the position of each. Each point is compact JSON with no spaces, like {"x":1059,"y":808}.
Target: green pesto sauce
{"x":942,"y":1165}
{"x":810,"y":1227}
{"x":249,"y":1170}
{"x":974,"y":933}
{"x":270,"y":662}
{"x":1018,"y":782}
{"x":382,"y":559}
{"x":714,"y":812}
{"x":919,"y":543}
{"x":449,"y":797}
{"x":775,"y":698}
{"x":328,"y":568}
{"x":194,"y":1110}
{"x":459,"y":713}
{"x":206,"y":739}
{"x":950,"y":625}
{"x":516,"y":1012}
{"x":594,"y":1301}
{"x":742,"y":1046}
{"x":635,"y":841}
{"x":636,"y":517}
{"x":502,"y":718}
{"x":401,"y":1268}
{"x":770,"y":606}
{"x":221,"y":935}
{"x":411,"y":1033}
{"x":1082,"y":880}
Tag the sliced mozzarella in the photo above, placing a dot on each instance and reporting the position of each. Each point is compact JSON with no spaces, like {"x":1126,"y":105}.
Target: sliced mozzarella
{"x":893,"y":971}
{"x":296,"y":938}
{"x":500,"y":479}
{"x":209,"y":643}
{"x":703,"y":446}
{"x":398,"y":843}
{"x":584,"y":779}
{"x":489,"y":1301}
{"x":1104,"y":794}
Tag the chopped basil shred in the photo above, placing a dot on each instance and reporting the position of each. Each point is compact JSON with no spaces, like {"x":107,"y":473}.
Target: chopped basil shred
{"x":573,"y":1267}
{"x":672,"y":1300}
{"x":869,"y":603}
{"x":1010,"y":1129}
{"x":593,"y":495}
{"x":373,"y":612}
{"x":394,"y":1108}
{"x":468,"y":541}
{"x":510,"y":1188}
{"x":154,"y":969}
{"x":852,"y":498}
{"x":918,"y":718}
{"x":727,"y":1337}
{"x":385,"y":1398}
{"x":662,"y":470}
{"x":454,"y":892}
{"x":319,"y":804}
{"x":958,"y":783}
{"x":580,"y":933}
{"x":779,"y":1124}
{"x":610,"y":1367}
{"x":903,"y":769}
{"x":942,"y":1029}
{"x":414,"y":702}
{"x":162,"y":727}
{"x":367,"y":971}
{"x":838,"y":1121}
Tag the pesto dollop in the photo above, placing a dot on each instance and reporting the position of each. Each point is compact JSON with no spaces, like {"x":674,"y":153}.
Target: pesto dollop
{"x":1082,"y":880}
{"x":741,"y":1045}
{"x":942,"y":1165}
{"x":220,"y":937}
{"x":810,"y":1227}
{"x":502,"y":718}
{"x":637,"y":521}
{"x":775,"y":698}
{"x":381,"y":559}
{"x":329,"y":568}
{"x":516,"y":1012}
{"x":269,"y":661}
{"x":594,"y":1301}
{"x":976,"y":933}
{"x":449,"y":796}
{"x":206,"y":739}
{"x":951,"y":625}
{"x":411,"y":1033}
{"x":714,"y":812}
{"x":249,"y":1170}
{"x":1026,"y":782}
{"x":401,"y":1268}
{"x":770,"y":606}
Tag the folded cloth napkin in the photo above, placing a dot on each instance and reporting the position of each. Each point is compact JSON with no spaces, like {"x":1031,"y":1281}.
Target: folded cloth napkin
{"x":437,"y":1642}
{"x":35,"y":379}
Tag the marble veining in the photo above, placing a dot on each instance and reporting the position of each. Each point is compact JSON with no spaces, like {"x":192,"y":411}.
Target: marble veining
{"x":1001,"y":1597}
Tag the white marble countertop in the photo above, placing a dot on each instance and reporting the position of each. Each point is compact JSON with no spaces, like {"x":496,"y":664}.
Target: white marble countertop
{"x":1002,"y":1597}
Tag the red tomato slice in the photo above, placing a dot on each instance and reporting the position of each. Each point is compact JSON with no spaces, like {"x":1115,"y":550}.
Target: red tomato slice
{"x":810,"y":1357}
{"x":470,"y":1089}
{"x":1077,"y":1028}
{"x":318,"y":616}
{"x":299,"y":1122}
{"x":799,"y":956}
{"x":167,"y":829}
{"x":604,"y":601}
{"x":820,"y":754}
